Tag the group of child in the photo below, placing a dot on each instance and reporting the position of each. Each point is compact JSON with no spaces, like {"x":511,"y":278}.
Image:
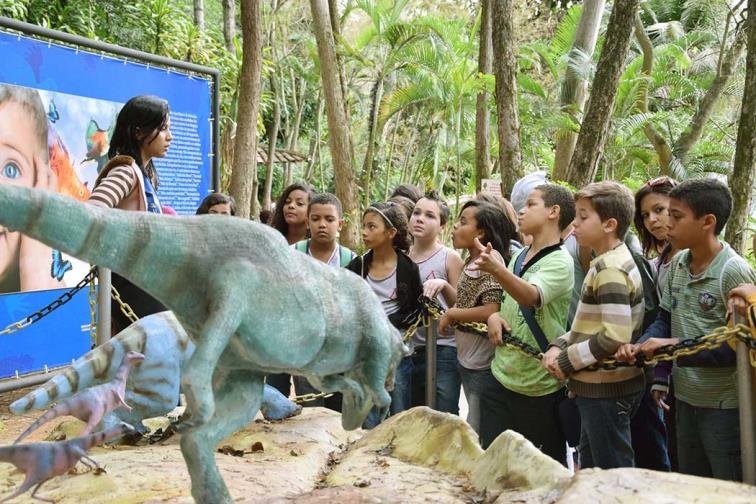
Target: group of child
{"x":526,"y":292}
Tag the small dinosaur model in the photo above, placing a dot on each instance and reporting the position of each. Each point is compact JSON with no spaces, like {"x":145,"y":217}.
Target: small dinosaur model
{"x":152,"y":388}
{"x":42,"y":461}
{"x":252,"y":306}
{"x":92,"y":404}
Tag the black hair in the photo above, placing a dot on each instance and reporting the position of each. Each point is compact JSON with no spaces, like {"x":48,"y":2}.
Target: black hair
{"x":656,"y":186}
{"x":144,"y":116}
{"x":706,"y":196}
{"x":443,"y":208}
{"x":216,"y":199}
{"x":498,"y":229}
{"x":408,"y":191}
{"x":325,"y":199}
{"x":279,"y":222}
{"x":556,"y":195}
{"x":393,"y":215}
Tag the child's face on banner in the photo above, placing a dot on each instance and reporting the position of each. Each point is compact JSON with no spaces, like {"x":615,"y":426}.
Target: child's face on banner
{"x":17,"y":157}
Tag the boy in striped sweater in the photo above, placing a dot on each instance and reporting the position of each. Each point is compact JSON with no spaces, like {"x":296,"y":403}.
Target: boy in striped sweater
{"x":609,"y":314}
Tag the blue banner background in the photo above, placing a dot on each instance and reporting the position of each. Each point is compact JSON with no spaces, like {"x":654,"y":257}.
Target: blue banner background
{"x":63,"y":335}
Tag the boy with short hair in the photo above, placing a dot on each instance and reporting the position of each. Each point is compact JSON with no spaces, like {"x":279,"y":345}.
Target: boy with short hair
{"x":538,"y":288}
{"x":324,"y":221}
{"x":609,"y":314}
{"x":694,"y":303}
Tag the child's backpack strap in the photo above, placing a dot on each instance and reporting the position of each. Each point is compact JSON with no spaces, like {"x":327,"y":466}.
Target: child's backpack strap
{"x":302,"y":245}
{"x":345,"y":256}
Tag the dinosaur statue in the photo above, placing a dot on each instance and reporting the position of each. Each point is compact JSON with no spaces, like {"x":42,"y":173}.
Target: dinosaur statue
{"x":92,"y":404}
{"x":152,"y":388}
{"x":252,"y":305}
{"x":42,"y":461}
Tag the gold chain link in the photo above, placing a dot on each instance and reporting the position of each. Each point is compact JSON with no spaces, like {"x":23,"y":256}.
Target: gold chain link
{"x":125,"y":308}
{"x":92,"y":313}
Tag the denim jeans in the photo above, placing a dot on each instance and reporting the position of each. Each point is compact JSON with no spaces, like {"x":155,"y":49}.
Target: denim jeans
{"x":708,"y":442}
{"x":605,"y":439}
{"x":401,"y":396}
{"x":533,"y":417}
{"x":448,"y":381}
{"x":649,"y":434}
{"x":474,"y":384}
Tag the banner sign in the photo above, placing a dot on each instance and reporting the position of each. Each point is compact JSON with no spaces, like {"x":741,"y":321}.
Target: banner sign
{"x":58,"y":106}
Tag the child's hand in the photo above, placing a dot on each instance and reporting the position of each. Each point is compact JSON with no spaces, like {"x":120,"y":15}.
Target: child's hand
{"x":486,"y":260}
{"x":738,"y":299}
{"x":649,"y":346}
{"x":497,"y":325}
{"x":433,"y":287}
{"x":659,"y":397}
{"x":446,"y":321}
{"x":551,"y":365}
{"x":626,"y":353}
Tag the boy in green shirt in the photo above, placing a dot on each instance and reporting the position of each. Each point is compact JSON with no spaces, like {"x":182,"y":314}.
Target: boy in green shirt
{"x":537,"y":283}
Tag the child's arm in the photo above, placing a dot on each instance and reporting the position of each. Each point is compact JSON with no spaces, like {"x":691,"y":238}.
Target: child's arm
{"x":523,"y":292}
{"x":447,"y":288}
{"x":476,"y":314}
{"x":613,"y":308}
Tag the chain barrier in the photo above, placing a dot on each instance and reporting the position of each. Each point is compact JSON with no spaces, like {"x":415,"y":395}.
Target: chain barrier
{"x":668,"y":353}
{"x":57,"y":303}
{"x":125,"y":308}
{"x":92,"y":313}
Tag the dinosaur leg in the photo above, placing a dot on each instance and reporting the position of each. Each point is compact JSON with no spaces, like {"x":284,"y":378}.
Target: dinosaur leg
{"x":355,"y":399}
{"x":238,"y":394}
{"x":35,"y":496}
{"x":224,"y":317}
{"x":277,"y":407}
{"x":23,"y":487}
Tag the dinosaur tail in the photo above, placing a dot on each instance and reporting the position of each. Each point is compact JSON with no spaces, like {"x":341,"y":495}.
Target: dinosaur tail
{"x":59,"y":410}
{"x":101,"y":437}
{"x":120,"y":241}
{"x":96,"y":366}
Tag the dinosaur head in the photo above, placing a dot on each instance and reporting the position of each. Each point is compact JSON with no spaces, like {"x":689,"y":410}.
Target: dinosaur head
{"x":133,"y":358}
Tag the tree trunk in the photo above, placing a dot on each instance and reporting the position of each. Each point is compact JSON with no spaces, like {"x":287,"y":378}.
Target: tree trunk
{"x":314,"y":145}
{"x":505,"y":70}
{"x":742,"y":178}
{"x":369,"y":161}
{"x":663,"y":151}
{"x":339,"y":138}
{"x":574,"y":88}
{"x":598,"y":113}
{"x":272,"y":136}
{"x":333,"y":11}
{"x":693,"y":132}
{"x":482,"y":117}
{"x":244,"y":173}
{"x":199,"y":14}
{"x":229,"y":24}
{"x":293,"y":140}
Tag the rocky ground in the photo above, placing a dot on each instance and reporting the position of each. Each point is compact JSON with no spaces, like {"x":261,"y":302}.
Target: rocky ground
{"x":418,"y":456}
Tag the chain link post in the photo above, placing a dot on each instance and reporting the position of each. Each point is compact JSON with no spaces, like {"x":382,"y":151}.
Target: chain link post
{"x":430,"y":364}
{"x":746,"y":404}
{"x":103,"y":305}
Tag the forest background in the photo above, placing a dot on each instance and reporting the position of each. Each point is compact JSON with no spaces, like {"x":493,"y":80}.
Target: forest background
{"x":380,"y":92}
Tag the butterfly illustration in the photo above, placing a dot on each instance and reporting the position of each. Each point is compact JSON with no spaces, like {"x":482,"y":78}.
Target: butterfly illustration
{"x":59,"y":266}
{"x":52,"y":112}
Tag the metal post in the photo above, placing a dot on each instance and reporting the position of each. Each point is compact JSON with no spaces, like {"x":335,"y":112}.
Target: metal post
{"x":103,"y":305}
{"x":430,"y":364}
{"x":746,"y":405}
